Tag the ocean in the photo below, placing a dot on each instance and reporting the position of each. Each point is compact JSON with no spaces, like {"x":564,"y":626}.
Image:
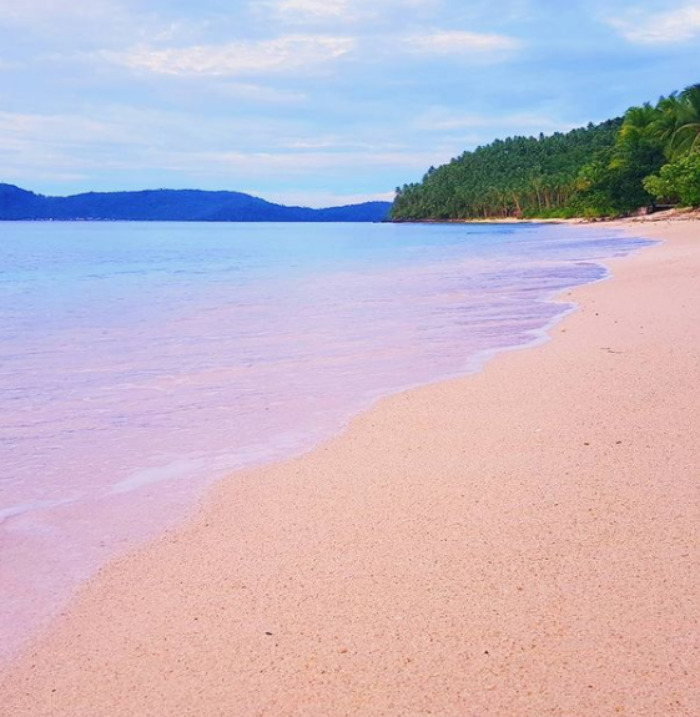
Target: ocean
{"x":139,"y":362}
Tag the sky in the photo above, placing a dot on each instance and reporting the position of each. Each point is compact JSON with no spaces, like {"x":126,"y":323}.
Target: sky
{"x":313,"y":102}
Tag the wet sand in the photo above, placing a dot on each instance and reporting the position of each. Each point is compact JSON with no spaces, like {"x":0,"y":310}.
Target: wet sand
{"x":518,"y":542}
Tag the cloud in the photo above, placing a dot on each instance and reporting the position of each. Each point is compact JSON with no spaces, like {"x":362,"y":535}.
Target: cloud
{"x":444,"y":120}
{"x":16,"y":129}
{"x":110,"y":24}
{"x":461,"y":42}
{"x":320,"y":199}
{"x":295,"y":164}
{"x":125,"y":147}
{"x":661,"y":28}
{"x":343,"y":11}
{"x":303,"y":10}
{"x":47,"y":147}
{"x":282,"y":54}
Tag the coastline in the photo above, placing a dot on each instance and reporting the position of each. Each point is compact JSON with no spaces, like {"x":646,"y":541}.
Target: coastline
{"x":513,"y":542}
{"x":676,"y":214}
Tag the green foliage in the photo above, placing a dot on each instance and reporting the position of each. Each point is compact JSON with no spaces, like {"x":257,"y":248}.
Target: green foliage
{"x":599,"y":170}
{"x":678,"y":181}
{"x":677,"y":123}
{"x":519,"y":176}
{"x":612,"y":183}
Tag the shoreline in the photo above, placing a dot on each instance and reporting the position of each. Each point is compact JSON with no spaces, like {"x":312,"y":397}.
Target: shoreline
{"x":407,"y":565}
{"x":678,"y":214}
{"x":133,"y":507}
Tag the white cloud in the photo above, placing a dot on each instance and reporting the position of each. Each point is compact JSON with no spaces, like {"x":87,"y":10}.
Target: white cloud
{"x":461,"y":42}
{"x":443,"y":119}
{"x":678,"y":25}
{"x":236,"y":58}
{"x":103,"y":24}
{"x":317,"y":9}
{"x":319,"y":199}
{"x":345,"y":11}
{"x":302,"y":163}
{"x":35,"y":146}
{"x":348,"y":141}
{"x":16,"y":129}
{"x":127,"y":147}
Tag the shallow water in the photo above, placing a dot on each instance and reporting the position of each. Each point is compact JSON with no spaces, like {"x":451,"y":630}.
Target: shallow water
{"x":141,"y":361}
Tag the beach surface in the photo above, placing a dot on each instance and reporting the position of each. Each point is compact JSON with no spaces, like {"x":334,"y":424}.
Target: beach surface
{"x":522,"y":541}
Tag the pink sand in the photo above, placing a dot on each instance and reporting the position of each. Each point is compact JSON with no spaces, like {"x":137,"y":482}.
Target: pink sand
{"x":518,"y":542}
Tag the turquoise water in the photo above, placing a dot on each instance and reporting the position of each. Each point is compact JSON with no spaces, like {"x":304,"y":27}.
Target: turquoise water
{"x":140,"y":361}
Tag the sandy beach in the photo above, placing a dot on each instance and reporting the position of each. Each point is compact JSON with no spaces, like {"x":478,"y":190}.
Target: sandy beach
{"x":522,"y":541}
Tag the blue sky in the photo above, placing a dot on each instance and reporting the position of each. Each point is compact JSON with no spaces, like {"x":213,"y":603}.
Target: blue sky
{"x":313,"y":102}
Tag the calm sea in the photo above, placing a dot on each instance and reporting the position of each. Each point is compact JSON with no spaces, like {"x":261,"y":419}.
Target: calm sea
{"x":140,"y":361}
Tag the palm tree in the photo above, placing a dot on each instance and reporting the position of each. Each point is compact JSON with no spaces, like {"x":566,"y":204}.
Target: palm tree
{"x":677,"y":122}
{"x":665,"y":123}
{"x":638,"y":123}
{"x":686,"y":137}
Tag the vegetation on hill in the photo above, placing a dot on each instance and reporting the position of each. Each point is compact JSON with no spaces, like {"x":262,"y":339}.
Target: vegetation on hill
{"x":650,"y":155}
{"x":174,"y":205}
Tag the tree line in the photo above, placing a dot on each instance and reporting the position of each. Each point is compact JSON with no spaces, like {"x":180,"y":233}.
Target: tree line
{"x":648,"y":157}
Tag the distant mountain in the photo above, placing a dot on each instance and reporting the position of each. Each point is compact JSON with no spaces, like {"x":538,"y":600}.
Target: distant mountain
{"x":179,"y":205}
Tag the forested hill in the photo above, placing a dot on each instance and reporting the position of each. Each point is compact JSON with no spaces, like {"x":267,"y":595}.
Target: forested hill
{"x":517,"y":176}
{"x":174,"y":205}
{"x":652,"y":154}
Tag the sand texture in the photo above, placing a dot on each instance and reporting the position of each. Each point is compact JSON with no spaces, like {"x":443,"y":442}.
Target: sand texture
{"x":519,"y":542}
